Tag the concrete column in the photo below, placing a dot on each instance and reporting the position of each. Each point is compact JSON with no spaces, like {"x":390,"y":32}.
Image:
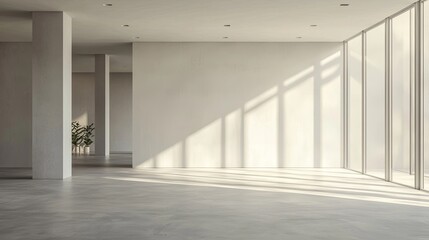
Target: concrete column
{"x":102,"y":109}
{"x":51,"y":145}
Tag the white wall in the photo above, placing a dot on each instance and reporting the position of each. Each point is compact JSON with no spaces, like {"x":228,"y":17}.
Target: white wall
{"x":83,"y":98}
{"x":15,"y":104}
{"x":120,"y":107}
{"x":121,"y":112}
{"x":236,"y":104}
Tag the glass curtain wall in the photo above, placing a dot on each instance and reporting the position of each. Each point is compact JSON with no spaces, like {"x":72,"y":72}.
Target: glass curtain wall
{"x":402,"y":78}
{"x":355,"y":103}
{"x":375,"y":93}
{"x":403,"y":102}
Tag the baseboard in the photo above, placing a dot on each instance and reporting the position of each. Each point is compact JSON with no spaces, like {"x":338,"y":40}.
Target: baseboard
{"x":121,"y":152}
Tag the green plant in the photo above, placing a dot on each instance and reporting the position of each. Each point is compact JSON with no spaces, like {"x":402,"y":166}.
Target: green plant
{"x":77,"y":134}
{"x":88,"y":134}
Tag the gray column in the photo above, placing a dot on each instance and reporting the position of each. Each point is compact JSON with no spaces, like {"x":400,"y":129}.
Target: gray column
{"x":102,"y":109}
{"x":51,"y":145}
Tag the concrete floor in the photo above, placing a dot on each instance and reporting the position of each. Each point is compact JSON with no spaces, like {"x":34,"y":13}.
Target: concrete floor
{"x":107,"y":200}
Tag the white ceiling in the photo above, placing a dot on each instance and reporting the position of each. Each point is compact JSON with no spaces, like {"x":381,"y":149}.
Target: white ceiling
{"x":98,"y":29}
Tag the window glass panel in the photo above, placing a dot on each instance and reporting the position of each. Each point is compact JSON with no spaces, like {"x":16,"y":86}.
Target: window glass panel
{"x":401,"y":90}
{"x":375,"y":63}
{"x":355,"y":105}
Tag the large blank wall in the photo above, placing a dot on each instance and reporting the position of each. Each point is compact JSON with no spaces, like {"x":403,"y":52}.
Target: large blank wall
{"x":237,"y":104}
{"x":120,"y":107}
{"x":15,"y":104}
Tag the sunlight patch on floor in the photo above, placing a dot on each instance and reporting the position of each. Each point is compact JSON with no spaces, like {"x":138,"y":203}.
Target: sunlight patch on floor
{"x":339,"y":183}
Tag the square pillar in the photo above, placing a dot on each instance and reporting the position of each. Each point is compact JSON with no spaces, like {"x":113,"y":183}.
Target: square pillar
{"x":102,"y":105}
{"x":52,"y":55}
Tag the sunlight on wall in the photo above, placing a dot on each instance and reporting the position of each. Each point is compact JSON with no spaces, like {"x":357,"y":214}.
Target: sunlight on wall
{"x":249,"y":137}
{"x":298,"y":77}
{"x":203,"y":148}
{"x":82,"y":119}
{"x":171,"y":157}
{"x":298,"y":132}
{"x":331,"y":59}
{"x":330,"y":115}
{"x":332,"y":70}
{"x":260,"y":134}
{"x":294,"y":122}
{"x":148,"y":163}
{"x":260,"y":99}
{"x":233,"y":139}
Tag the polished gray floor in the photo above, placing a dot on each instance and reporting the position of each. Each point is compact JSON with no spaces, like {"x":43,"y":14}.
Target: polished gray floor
{"x":105,"y":199}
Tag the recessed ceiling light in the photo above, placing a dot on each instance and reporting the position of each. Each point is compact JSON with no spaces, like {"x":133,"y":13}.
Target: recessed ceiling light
{"x":313,"y":25}
{"x":344,"y":5}
{"x":125,"y":25}
{"x":107,"y":5}
{"x":227,"y":25}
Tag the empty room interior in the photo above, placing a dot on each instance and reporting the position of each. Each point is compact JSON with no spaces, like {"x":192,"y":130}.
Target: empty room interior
{"x":214,"y":119}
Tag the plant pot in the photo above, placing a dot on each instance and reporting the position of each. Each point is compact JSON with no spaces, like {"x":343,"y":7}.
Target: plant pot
{"x":87,"y":150}
{"x":76,"y":150}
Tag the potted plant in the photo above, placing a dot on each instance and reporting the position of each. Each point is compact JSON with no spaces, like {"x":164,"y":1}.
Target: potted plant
{"x":88,"y":134}
{"x":77,"y":136}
